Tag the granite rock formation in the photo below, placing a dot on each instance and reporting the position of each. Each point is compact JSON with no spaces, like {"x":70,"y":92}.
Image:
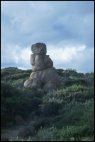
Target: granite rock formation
{"x":44,"y":75}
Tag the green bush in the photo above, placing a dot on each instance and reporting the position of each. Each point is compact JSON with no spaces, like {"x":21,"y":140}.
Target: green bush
{"x":16,"y":102}
{"x":46,"y":134}
{"x":66,"y":114}
{"x":68,"y":133}
{"x":50,"y":109}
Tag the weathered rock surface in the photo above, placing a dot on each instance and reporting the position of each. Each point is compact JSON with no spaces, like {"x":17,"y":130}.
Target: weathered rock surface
{"x":44,"y":75}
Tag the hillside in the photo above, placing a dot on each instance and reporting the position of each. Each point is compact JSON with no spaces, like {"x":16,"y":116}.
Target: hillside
{"x":64,"y":114}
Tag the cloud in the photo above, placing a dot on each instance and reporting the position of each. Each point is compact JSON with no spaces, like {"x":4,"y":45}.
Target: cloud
{"x":50,"y":21}
{"x":66,"y":27}
{"x":16,"y":56}
{"x":69,"y":56}
{"x":66,"y":54}
{"x":78,"y":57}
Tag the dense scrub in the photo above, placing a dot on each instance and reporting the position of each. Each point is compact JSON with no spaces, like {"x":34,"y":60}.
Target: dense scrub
{"x":64,"y":114}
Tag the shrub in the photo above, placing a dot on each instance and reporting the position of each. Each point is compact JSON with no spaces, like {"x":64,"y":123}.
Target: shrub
{"x":50,"y":109}
{"x":16,"y":102}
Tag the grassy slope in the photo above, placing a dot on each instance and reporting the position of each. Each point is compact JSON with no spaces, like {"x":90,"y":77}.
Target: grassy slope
{"x":65,"y":114}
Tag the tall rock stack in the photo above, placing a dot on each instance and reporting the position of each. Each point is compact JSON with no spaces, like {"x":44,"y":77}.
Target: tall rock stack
{"x":44,"y":75}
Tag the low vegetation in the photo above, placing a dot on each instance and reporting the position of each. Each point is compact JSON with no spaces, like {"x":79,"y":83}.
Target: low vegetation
{"x":62,"y":115}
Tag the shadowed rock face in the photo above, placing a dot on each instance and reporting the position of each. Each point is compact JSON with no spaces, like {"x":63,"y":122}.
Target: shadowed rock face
{"x":44,"y":75}
{"x":39,"y":48}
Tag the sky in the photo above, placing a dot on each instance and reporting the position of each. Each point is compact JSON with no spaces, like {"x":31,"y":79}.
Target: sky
{"x":66,"y":27}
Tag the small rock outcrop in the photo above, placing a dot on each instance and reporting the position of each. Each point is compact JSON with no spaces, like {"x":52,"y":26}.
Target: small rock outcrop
{"x":44,"y":75}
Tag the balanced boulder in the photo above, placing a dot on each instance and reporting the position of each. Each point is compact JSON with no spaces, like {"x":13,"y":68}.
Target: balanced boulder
{"x":44,"y":75}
